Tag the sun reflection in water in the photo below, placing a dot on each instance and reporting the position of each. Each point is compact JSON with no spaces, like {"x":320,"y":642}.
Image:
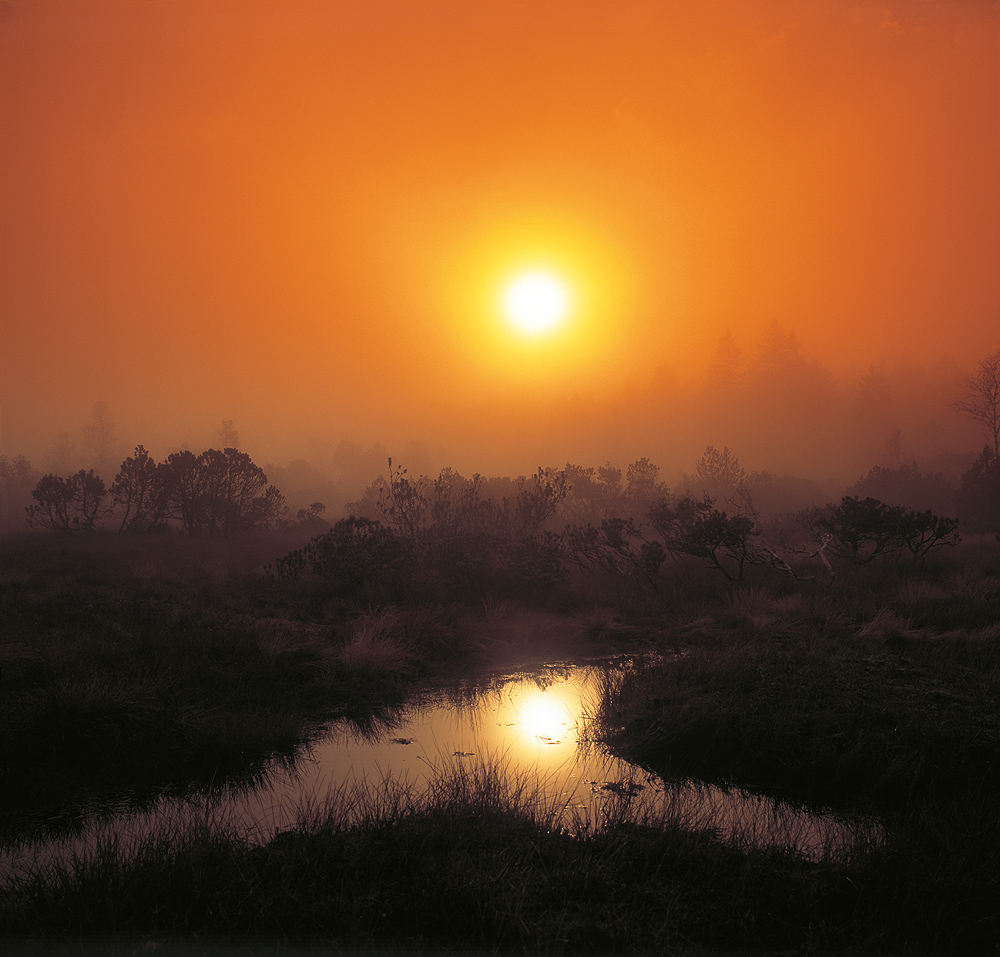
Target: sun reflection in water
{"x":528,"y":726}
{"x":545,"y":717}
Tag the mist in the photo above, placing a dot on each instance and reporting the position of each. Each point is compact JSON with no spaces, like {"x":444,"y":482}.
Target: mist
{"x":779,"y":225}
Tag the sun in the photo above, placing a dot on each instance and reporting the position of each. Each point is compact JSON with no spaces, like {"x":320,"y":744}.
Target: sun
{"x":536,"y":301}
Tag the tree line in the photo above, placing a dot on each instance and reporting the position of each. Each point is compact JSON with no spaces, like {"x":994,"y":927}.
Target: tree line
{"x":217,"y":492}
{"x":221,"y":492}
{"x":454,"y":537}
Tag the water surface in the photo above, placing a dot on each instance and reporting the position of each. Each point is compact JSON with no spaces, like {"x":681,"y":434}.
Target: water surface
{"x":531,"y":724}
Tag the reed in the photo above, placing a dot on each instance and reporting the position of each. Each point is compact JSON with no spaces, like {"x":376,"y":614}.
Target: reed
{"x":476,"y":863}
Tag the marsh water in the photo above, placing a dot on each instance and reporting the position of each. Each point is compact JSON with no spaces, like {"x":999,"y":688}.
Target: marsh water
{"x":530,"y":726}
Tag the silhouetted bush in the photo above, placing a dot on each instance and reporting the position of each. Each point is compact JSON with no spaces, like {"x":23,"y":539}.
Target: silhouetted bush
{"x":308,"y":519}
{"x":862,"y":530}
{"x":142,"y":493}
{"x":684,"y":526}
{"x":73,"y":504}
{"x":356,"y":553}
{"x":689,"y":526}
{"x":219,"y":492}
{"x":444,"y":538}
{"x":618,"y":547}
{"x":594,"y":493}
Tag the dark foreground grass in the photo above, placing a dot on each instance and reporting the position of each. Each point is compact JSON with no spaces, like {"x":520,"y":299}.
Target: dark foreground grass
{"x":132,"y":666}
{"x":836,"y":698}
{"x":477,"y":865}
{"x":881,"y":695}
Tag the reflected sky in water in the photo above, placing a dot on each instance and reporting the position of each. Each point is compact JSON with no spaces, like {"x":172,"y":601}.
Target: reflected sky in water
{"x":529,"y":724}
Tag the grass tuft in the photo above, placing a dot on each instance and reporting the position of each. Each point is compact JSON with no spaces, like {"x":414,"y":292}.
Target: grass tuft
{"x":374,"y":652}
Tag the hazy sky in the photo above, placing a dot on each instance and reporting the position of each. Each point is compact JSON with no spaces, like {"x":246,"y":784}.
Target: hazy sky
{"x":300,"y":215}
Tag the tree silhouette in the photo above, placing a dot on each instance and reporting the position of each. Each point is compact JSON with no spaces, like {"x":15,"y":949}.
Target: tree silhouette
{"x":982,"y":401}
{"x":860,"y":530}
{"x":229,"y":438}
{"x":184,"y":482}
{"x":219,"y":491}
{"x":100,"y":436}
{"x":141,"y":491}
{"x":17,"y":478}
{"x":73,"y":504}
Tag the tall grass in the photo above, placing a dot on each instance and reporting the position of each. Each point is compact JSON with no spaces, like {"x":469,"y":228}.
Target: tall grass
{"x":474,"y":863}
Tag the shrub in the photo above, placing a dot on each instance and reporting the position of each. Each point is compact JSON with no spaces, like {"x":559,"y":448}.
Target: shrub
{"x":73,"y":504}
{"x":354,"y":554}
{"x":618,"y":547}
{"x":695,"y":527}
{"x":861,"y":530}
{"x":222,"y":492}
{"x":141,"y":491}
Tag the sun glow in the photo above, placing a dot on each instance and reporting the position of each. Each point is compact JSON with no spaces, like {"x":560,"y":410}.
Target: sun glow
{"x":536,"y":301}
{"x":544,"y":718}
{"x":577,"y":297}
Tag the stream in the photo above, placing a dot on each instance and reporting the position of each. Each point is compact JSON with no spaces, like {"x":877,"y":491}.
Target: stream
{"x":528,"y":724}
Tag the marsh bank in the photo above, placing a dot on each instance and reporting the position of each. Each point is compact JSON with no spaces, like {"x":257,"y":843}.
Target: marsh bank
{"x":156,"y":668}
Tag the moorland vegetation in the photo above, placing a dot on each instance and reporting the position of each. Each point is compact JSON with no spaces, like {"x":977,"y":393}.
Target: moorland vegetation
{"x":187,"y":629}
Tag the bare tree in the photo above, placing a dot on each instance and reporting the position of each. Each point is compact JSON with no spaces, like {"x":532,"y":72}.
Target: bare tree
{"x":62,"y":456}
{"x":982,"y":401}
{"x":228,"y":435}
{"x":100,"y":436}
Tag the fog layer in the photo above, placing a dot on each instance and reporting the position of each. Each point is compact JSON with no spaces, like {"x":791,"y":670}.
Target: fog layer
{"x":779,"y":222}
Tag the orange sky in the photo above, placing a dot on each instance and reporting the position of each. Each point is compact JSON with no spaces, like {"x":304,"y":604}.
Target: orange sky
{"x":298,"y":214}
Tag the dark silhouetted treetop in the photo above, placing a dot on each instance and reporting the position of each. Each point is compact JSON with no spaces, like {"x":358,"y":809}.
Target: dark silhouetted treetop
{"x":690,"y":526}
{"x":221,"y":492}
{"x":357,"y":552}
